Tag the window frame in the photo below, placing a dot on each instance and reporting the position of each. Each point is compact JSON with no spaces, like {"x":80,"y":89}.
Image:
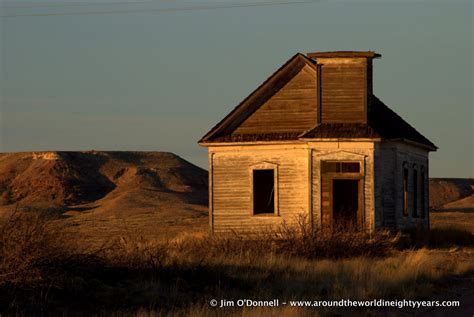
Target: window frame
{"x":423,"y":192}
{"x":414,"y":193}
{"x":405,"y":189}
{"x":264,"y":166}
{"x":341,"y":162}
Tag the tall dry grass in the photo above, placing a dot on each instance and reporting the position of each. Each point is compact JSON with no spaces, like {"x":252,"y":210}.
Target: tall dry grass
{"x":43,"y":268}
{"x":408,"y":275}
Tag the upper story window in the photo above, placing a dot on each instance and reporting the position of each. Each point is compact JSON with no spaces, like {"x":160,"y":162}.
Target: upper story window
{"x":340,"y":167}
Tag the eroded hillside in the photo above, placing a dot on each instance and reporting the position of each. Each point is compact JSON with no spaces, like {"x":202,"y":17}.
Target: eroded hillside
{"x":101,"y":193}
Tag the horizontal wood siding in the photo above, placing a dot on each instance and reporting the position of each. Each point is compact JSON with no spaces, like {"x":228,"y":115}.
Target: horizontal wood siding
{"x":381,"y":181}
{"x":232,"y":186}
{"x":386,"y":183}
{"x":343,"y":93}
{"x":290,"y":109}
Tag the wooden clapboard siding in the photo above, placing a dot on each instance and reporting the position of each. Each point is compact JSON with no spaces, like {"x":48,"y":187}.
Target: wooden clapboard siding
{"x":291,"y":109}
{"x":380,"y":181}
{"x":232,"y":185}
{"x":343,"y":92}
{"x":385,"y":198}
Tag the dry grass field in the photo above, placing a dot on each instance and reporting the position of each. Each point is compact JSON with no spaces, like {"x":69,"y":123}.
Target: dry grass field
{"x":46,"y":267}
{"x":124,"y":234}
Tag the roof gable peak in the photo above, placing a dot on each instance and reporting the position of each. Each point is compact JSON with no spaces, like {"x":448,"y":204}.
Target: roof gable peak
{"x":267,"y":89}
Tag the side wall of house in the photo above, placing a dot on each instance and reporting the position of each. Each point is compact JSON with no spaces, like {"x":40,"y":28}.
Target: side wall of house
{"x":386,"y":183}
{"x":361,"y":151}
{"x":231,"y":168}
{"x":391,"y":160}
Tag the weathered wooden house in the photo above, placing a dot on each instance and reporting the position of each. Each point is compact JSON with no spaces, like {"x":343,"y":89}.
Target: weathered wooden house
{"x":314,"y":140}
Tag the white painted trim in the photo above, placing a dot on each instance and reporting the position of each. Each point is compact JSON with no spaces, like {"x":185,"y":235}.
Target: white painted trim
{"x":337,"y":152}
{"x":211,"y":191}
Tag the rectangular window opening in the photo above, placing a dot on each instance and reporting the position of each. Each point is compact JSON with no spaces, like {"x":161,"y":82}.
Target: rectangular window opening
{"x":340,"y":167}
{"x":405,"y":192}
{"x":422,"y":193}
{"x":350,"y":167}
{"x":415,"y":194}
{"x":263,"y":192}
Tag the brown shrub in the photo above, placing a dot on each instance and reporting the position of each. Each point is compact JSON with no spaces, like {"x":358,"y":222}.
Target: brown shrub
{"x":138,"y":253}
{"x":30,"y":247}
{"x":344,"y":242}
{"x":38,"y":257}
{"x":295,"y":240}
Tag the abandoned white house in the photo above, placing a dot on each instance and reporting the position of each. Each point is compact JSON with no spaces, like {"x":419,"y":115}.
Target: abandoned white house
{"x":313,"y":140}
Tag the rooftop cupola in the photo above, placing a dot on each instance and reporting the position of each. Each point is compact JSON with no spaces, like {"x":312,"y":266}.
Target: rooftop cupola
{"x":344,"y":85}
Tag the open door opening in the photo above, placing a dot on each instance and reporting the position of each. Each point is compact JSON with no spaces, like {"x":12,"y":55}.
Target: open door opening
{"x":345,"y":204}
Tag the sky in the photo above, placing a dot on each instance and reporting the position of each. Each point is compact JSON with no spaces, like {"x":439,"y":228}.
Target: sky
{"x":157,"y":75}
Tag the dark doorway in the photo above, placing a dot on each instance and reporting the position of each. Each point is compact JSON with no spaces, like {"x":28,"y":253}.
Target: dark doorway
{"x":263,"y":192}
{"x":345,"y":203}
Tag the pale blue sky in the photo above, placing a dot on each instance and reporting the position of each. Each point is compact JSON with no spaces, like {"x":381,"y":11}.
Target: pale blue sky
{"x":157,"y":79}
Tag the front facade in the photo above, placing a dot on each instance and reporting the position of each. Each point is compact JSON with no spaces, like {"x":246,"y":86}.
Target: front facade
{"x":314,"y":141}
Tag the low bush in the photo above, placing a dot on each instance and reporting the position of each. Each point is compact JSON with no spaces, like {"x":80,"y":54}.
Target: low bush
{"x":30,"y":249}
{"x":296,"y":240}
{"x":38,"y":257}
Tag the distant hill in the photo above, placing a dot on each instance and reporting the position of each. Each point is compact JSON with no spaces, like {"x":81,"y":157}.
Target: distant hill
{"x":63,"y":179}
{"x":107,"y":191}
{"x":447,"y":190}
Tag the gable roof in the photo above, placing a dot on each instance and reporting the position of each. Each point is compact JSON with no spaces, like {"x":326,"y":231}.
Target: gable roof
{"x":382,"y":121}
{"x":250,"y":104}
